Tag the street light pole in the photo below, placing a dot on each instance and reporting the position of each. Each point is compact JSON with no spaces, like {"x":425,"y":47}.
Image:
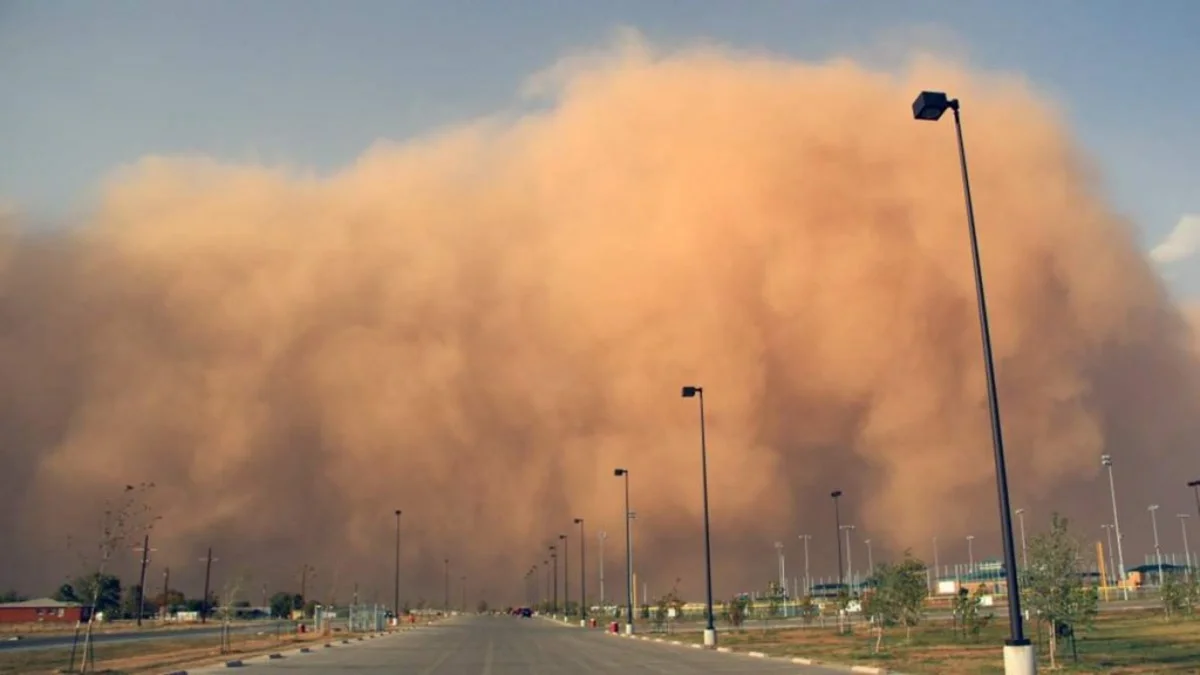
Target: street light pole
{"x":582,"y":575}
{"x":1024,"y":551}
{"x":1187,"y":551}
{"x":628,"y":556}
{"x":807,"y":578}
{"x":566,"y":558}
{"x":1018,"y":652}
{"x":837,"y":536}
{"x":1112,"y":570}
{"x":1106,"y":461}
{"x":554,"y":566}
{"x":970,"y":554}
{"x":396,"y":593}
{"x":849,"y":554}
{"x":870,"y":558}
{"x":446,"y":597}
{"x":710,"y":630}
{"x":1157,"y":549}
{"x":602,"y":536}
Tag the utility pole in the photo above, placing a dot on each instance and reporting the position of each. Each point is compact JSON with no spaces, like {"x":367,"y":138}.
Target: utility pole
{"x":446,"y":598}
{"x":208,"y":561}
{"x":142,"y":578}
{"x":464,"y":595}
{"x":396,"y":595}
{"x":166,"y":593}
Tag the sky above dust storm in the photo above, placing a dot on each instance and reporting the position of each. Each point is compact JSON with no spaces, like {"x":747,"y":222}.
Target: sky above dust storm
{"x":476,"y":325}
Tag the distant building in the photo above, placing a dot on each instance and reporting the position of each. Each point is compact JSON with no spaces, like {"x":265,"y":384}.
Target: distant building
{"x":43,"y":610}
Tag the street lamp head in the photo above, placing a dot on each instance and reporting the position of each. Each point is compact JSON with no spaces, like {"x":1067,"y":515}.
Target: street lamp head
{"x":397,"y":511}
{"x":620,"y":472}
{"x":1154,"y":507}
{"x":1183,"y":515}
{"x":579,"y":521}
{"x":1019,"y":511}
{"x":835,"y":494}
{"x":689,"y":392}
{"x":1106,"y":460}
{"x":1194,"y":483}
{"x":930,"y":105}
{"x":562,"y":536}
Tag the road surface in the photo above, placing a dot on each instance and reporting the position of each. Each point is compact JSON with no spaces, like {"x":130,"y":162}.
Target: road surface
{"x":504,"y":645}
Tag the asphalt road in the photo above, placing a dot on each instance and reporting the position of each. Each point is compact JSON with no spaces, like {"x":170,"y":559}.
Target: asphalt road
{"x":504,"y":645}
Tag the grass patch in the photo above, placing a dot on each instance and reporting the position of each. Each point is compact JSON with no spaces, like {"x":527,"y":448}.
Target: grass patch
{"x":151,"y":655}
{"x":1129,"y":643}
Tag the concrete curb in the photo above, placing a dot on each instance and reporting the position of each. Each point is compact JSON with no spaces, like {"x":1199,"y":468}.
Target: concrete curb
{"x":798,"y":660}
{"x":234,"y":664}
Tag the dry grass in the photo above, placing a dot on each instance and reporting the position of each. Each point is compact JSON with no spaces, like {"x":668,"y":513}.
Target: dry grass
{"x":1126,"y":644}
{"x":163,"y":654}
{"x":49,"y":628}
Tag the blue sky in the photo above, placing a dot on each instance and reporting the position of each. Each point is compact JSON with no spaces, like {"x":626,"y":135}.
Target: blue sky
{"x":91,"y":85}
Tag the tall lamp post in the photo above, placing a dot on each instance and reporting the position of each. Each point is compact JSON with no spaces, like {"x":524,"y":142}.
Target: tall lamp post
{"x":628,"y":556}
{"x":849,"y":555}
{"x":1106,"y":462}
{"x":1157,"y":549}
{"x":710,"y":630}
{"x":1024,"y":550}
{"x":566,"y":556}
{"x":807,"y":578}
{"x":582,"y":576}
{"x":1187,"y":551}
{"x":970,"y":555}
{"x":1112,"y":570}
{"x":837,"y":536}
{"x":554,"y":566}
{"x":1018,"y":651}
{"x":1195,"y":485}
{"x":396,"y":595}
{"x":446,"y":597}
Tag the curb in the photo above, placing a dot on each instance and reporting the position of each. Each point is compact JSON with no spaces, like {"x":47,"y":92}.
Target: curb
{"x":233,"y":664}
{"x":276,"y":655}
{"x":798,"y":660}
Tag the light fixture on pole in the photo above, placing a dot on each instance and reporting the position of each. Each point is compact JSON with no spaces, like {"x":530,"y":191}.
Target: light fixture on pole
{"x":1157,"y":549}
{"x":710,"y":630}
{"x":1019,"y":657}
{"x":807,"y":578}
{"x":1024,"y":550}
{"x":837,"y":537}
{"x":582,"y":576}
{"x":1187,"y":551}
{"x":624,"y":473}
{"x":1106,"y":462}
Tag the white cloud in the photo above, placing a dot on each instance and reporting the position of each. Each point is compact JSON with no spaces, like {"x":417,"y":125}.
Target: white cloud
{"x":1182,"y":243}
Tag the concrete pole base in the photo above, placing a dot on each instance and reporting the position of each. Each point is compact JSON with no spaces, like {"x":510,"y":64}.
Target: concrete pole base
{"x":1020,"y":660}
{"x":583,"y":623}
{"x":710,"y":637}
{"x":629,"y":629}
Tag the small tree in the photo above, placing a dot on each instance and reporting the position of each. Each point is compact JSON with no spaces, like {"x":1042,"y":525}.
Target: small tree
{"x":966,"y":612}
{"x":911,"y":591}
{"x":482,"y":607}
{"x":126,"y":517}
{"x":775,"y":598}
{"x":735,"y":611}
{"x":880,"y":602}
{"x":1053,"y":585}
{"x":808,"y":610}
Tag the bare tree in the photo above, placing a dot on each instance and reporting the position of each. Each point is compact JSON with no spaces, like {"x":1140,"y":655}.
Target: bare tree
{"x":123,"y":518}
{"x":229,"y":595}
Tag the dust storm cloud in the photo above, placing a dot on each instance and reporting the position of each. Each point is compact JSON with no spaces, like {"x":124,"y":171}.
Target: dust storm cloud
{"x":478,"y":325}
